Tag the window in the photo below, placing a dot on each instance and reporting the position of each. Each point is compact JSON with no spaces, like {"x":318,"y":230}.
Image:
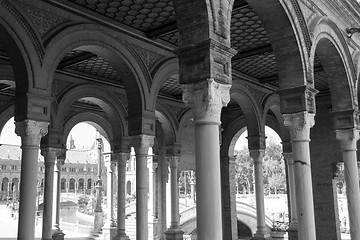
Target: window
{"x":63,"y":169}
{"x":3,"y":167}
{"x":13,"y":167}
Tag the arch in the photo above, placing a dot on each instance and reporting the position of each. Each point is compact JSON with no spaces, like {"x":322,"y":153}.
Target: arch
{"x":6,"y":115}
{"x":22,"y":45}
{"x":331,"y":48}
{"x":160,"y":76}
{"x":101,"y":124}
{"x":289,"y":37}
{"x":72,"y":184}
{"x":119,"y":53}
{"x":63,"y":185}
{"x":250,"y":106}
{"x":168,"y":123}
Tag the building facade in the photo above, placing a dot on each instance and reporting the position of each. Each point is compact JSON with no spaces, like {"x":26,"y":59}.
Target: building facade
{"x":185,"y":78}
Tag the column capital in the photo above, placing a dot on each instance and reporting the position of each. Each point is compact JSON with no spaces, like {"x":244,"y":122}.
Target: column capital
{"x":142,"y":143}
{"x":257,"y":155}
{"x":50,"y":154}
{"x":206,"y":99}
{"x":299,"y":125}
{"x":120,"y":157}
{"x":173,"y":161}
{"x":348,"y":138}
{"x":31,"y":131}
{"x":288,"y":157}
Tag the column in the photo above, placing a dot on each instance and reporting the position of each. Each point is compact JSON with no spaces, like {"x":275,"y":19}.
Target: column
{"x":50,"y":155}
{"x":293,"y":226}
{"x":206,"y":99}
{"x":192,"y":188}
{"x":152,"y":210}
{"x":109,"y":228}
{"x":261,"y":232}
{"x":98,"y":212}
{"x":348,"y":139}
{"x":57,"y":232}
{"x":174,"y":232}
{"x":142,"y":145}
{"x":121,"y":159}
{"x":31,"y":133}
{"x":299,"y":125}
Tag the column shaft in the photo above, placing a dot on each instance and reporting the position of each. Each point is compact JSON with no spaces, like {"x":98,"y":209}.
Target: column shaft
{"x":292,"y":193}
{"x":50,"y":155}
{"x":31,"y":133}
{"x":348,"y":139}
{"x":174,"y":191}
{"x":121,"y":163}
{"x":299,"y":125}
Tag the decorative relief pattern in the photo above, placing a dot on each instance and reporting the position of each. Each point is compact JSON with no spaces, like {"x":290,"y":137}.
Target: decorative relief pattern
{"x":149,"y":57}
{"x":206,"y":99}
{"x":299,"y":125}
{"x":31,"y":132}
{"x":42,"y":20}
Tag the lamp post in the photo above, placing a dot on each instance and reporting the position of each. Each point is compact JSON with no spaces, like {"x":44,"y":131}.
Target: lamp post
{"x":98,"y":213}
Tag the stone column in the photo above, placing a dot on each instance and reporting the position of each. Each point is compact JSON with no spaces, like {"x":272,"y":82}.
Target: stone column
{"x":348,"y":139}
{"x":293,"y":226}
{"x":98,"y":212}
{"x":261,"y":232}
{"x":192,"y":188}
{"x":31,"y":133}
{"x":174,"y":232}
{"x":299,"y":125}
{"x":206,"y":99}
{"x":153,"y":221}
{"x":109,"y":229}
{"x":50,"y":155}
{"x":142,"y":145}
{"x":57,"y":232}
{"x":121,"y":159}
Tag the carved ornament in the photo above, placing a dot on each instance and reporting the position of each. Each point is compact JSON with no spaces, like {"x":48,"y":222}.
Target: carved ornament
{"x":206,"y":99}
{"x":299,"y":125}
{"x":31,"y":132}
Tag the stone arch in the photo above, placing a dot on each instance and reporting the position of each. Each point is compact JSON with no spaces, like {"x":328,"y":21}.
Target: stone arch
{"x":6,"y":115}
{"x":331,"y":48}
{"x":104,"y":99}
{"x":231,"y":134}
{"x":289,"y":37}
{"x":22,"y":45}
{"x":168,"y":123}
{"x":160,"y":76}
{"x":62,"y":184}
{"x":116,"y":51}
{"x":251,"y":108}
{"x":186,"y":128}
{"x":272,"y":102}
{"x":97,"y":121}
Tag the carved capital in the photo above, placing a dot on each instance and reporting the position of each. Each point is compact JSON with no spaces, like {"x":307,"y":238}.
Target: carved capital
{"x":257,"y":155}
{"x":173,"y":161}
{"x":31,"y":132}
{"x":142,"y":143}
{"x":121,"y":158}
{"x":50,"y":155}
{"x":299,"y":125}
{"x":206,"y":100}
{"x":348,"y":138}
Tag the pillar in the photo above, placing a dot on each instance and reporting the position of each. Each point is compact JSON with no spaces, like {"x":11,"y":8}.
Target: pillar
{"x":50,"y":155}
{"x":206,"y":99}
{"x":109,"y":229}
{"x":174,"y":232}
{"x":57,"y":232}
{"x":98,"y":212}
{"x":192,"y":188}
{"x":141,"y":146}
{"x":261,"y":232}
{"x":31,"y":133}
{"x":293,"y":226}
{"x":348,"y":139}
{"x":299,"y":125}
{"x":121,"y":159}
{"x":153,"y":221}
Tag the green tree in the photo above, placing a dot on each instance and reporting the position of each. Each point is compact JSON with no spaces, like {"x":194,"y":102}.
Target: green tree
{"x":244,"y":171}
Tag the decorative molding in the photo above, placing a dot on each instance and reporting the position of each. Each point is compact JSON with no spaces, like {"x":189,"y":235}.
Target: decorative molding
{"x":348,"y":139}
{"x":142,"y":143}
{"x":257,"y":155}
{"x":176,"y":110}
{"x":148,"y":57}
{"x":32,"y":35}
{"x":43,"y":21}
{"x":206,"y":99}
{"x":123,"y":100}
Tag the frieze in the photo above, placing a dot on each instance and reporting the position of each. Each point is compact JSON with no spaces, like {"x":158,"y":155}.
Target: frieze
{"x":43,"y":21}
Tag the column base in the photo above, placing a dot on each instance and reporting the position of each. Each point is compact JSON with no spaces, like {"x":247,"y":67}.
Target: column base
{"x":174,"y":234}
{"x":293,"y":234}
{"x":98,"y":222}
{"x":109,"y":232}
{"x":261,"y":236}
{"x":58,"y":235}
{"x":121,"y":236}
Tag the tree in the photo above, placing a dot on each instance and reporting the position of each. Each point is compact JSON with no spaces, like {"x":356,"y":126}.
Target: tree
{"x":244,"y":171}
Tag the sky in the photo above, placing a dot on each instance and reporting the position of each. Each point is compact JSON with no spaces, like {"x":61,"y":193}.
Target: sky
{"x":84,"y":136}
